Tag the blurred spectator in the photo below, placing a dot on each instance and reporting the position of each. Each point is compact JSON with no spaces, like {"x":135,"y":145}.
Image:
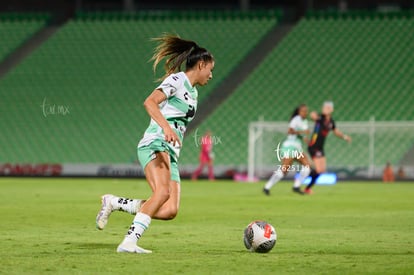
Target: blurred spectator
{"x":401,"y":173}
{"x":388,"y":173}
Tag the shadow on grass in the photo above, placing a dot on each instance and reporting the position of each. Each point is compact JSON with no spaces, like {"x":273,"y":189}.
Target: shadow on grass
{"x":348,"y":253}
{"x":92,"y":246}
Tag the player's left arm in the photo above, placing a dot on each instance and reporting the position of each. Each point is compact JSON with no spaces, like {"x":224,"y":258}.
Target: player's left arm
{"x":339,"y":134}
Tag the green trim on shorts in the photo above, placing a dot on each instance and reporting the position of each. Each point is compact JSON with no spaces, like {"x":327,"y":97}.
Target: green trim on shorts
{"x":148,"y":153}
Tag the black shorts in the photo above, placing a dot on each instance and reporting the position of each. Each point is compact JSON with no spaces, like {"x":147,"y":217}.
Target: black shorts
{"x":315,"y":152}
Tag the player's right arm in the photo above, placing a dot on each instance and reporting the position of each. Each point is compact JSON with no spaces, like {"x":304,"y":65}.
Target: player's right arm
{"x":341,"y":135}
{"x":151,"y":105}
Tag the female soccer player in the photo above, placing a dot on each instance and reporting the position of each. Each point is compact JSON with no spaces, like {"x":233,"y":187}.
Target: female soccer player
{"x":206,"y":157}
{"x":323,"y":124}
{"x":171,"y":106}
{"x":291,"y":151}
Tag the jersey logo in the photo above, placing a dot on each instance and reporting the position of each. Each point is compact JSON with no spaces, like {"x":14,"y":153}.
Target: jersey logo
{"x":190,"y":112}
{"x":168,"y":88}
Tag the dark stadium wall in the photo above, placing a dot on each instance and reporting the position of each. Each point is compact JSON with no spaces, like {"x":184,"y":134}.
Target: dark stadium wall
{"x":298,"y":7}
{"x":36,"y":5}
{"x":61,"y":9}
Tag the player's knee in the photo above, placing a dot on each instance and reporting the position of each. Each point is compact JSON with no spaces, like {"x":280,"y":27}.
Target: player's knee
{"x":163,"y":194}
{"x":169,"y":212}
{"x":172,"y":213}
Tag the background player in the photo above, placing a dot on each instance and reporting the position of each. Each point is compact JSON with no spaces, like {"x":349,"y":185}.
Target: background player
{"x":292,"y":150}
{"x":206,"y":157}
{"x":171,"y":106}
{"x":323,"y":124}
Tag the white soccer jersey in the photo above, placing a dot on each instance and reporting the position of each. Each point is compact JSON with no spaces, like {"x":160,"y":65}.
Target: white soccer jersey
{"x":178,"y":109}
{"x":298,"y":124}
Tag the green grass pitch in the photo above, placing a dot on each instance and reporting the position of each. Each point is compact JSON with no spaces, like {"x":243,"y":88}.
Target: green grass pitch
{"x":48,"y":227}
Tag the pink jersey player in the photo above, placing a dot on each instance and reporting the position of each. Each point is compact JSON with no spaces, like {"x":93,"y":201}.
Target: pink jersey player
{"x":206,"y":157}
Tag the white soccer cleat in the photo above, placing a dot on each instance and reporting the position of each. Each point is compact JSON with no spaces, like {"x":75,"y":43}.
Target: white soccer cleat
{"x":127,"y":247}
{"x":105,"y":212}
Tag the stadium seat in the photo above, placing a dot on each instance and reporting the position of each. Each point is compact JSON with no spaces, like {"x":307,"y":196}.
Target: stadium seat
{"x":15,"y":28}
{"x":96,"y":66}
{"x":363,"y":62}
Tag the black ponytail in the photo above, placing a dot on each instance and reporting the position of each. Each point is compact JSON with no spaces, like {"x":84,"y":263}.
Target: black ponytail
{"x":296,"y":111}
{"x":178,"y":51}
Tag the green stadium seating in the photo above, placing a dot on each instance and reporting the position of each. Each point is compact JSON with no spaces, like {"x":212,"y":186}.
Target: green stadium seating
{"x":365,"y":64}
{"x":15,"y":28}
{"x":96,"y":68}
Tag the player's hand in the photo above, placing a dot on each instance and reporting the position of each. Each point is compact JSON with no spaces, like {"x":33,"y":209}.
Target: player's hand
{"x":171,"y":137}
{"x":347,"y":138}
{"x":314,"y":115}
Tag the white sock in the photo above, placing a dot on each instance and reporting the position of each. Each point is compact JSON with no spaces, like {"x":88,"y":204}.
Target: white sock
{"x":139,"y":225}
{"x":276,"y":177}
{"x":131,"y":206}
{"x":304,"y":173}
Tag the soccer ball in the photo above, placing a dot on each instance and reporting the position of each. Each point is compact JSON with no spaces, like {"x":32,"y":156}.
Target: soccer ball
{"x":260,"y":236}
